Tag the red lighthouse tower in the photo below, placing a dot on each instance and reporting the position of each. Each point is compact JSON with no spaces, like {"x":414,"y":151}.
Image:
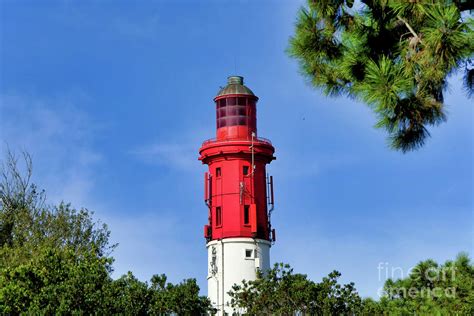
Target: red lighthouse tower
{"x":238,"y":192}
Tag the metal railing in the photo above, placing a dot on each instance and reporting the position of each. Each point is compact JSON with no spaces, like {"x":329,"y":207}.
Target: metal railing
{"x":256,"y":139}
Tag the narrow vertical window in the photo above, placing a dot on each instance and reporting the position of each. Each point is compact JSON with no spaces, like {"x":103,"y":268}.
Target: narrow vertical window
{"x":218,"y":216}
{"x":246,"y":214}
{"x":218,"y":172}
{"x":246,"y":170}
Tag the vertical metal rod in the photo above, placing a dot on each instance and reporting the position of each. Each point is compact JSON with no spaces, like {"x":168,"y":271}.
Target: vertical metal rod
{"x":271,"y":190}
{"x":253,"y":168}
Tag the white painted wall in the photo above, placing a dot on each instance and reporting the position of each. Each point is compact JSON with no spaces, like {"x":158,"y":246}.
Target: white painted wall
{"x":228,"y":265}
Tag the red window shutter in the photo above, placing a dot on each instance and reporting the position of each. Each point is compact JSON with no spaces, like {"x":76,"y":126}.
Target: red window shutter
{"x":253,"y":218}
{"x":207,"y":231}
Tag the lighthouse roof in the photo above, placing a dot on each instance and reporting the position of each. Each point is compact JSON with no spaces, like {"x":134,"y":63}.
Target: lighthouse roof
{"x":235,"y":85}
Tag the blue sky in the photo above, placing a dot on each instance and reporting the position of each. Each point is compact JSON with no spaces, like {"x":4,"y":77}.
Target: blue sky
{"x":113,"y":101}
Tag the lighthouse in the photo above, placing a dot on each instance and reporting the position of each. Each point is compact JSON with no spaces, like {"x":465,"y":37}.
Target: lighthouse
{"x":238,"y":194}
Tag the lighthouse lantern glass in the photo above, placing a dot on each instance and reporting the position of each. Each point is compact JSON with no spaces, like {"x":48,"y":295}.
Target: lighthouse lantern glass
{"x":236,"y":111}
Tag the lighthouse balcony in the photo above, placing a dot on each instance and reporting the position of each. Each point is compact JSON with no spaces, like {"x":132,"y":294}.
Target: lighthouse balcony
{"x":236,"y":140}
{"x":218,"y":148}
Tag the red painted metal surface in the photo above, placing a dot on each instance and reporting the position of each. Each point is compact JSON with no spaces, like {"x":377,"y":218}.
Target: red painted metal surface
{"x":232,"y":185}
{"x":207,"y":231}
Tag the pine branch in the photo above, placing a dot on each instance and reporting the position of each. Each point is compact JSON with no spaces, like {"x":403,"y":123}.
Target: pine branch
{"x":409,"y":28}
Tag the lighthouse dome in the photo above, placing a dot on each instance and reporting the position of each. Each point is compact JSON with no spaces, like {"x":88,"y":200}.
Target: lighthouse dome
{"x":235,"y":85}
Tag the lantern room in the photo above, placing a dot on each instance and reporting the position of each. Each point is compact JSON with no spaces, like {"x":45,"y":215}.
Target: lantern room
{"x":236,"y":111}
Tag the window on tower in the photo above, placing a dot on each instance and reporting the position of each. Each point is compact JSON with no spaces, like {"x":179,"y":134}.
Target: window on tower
{"x":218,"y":172}
{"x":248,"y":253}
{"x":245,"y":170}
{"x":246,"y":214}
{"x":218,"y":216}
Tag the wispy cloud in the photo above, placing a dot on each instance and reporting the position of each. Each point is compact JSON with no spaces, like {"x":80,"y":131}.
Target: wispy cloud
{"x":179,"y":153}
{"x":180,"y":156}
{"x":57,"y":134}
{"x":151,"y":245}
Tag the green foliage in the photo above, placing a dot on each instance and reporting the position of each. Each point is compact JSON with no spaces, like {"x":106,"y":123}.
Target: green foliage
{"x":281,"y":292}
{"x":56,"y":260}
{"x":55,"y":281}
{"x":371,"y":307}
{"x":432,"y":289}
{"x":393,"y":55}
{"x":181,"y":299}
{"x":28,"y":226}
{"x":127,"y":296}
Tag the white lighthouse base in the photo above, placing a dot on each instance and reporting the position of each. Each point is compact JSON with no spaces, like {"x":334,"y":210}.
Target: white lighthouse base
{"x":230,"y":261}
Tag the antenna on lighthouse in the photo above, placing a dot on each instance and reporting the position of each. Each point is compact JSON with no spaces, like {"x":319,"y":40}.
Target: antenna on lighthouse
{"x":253,"y":154}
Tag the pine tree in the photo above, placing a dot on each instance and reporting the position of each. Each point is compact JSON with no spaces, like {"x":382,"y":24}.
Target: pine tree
{"x":393,"y":55}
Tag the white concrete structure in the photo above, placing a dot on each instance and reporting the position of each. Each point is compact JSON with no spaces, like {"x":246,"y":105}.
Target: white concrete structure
{"x":230,"y":261}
